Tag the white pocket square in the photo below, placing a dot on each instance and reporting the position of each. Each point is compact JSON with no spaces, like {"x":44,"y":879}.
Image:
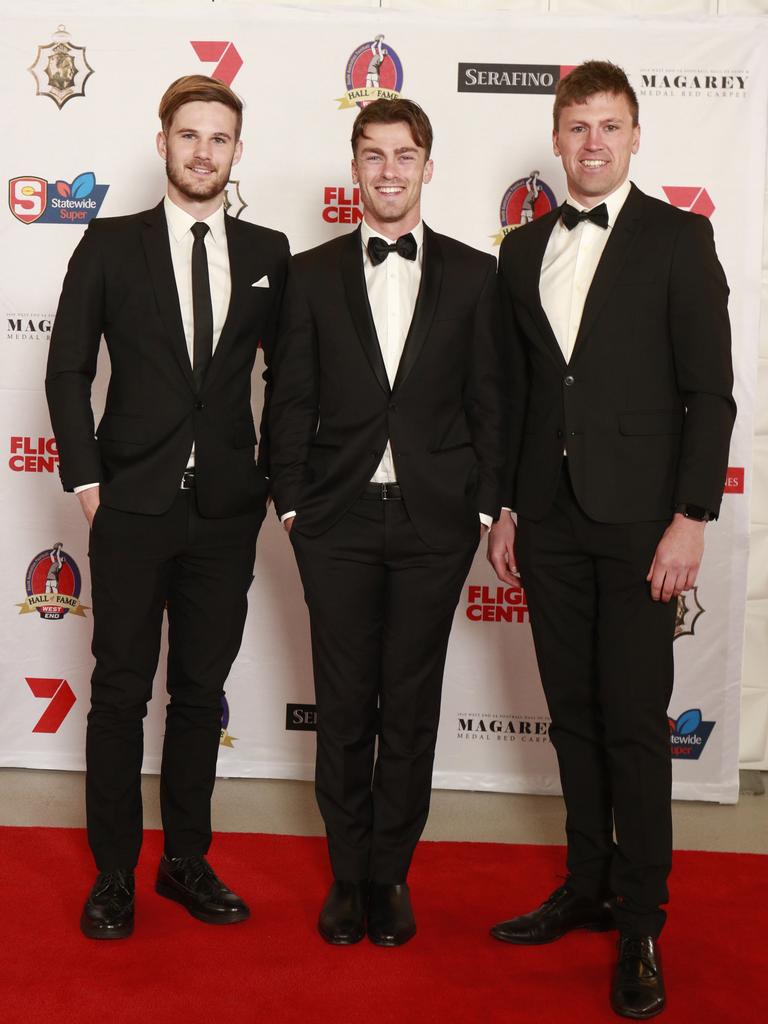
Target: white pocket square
{"x":263,"y":282}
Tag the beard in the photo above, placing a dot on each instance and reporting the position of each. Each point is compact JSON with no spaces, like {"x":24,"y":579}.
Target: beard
{"x":197,"y":190}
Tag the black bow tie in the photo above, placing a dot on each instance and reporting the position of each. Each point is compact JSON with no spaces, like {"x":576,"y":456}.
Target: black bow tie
{"x":571,"y":216}
{"x":379,"y":248}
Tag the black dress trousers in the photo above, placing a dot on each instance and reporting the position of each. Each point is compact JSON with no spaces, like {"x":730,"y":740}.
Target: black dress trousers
{"x":604,"y":650}
{"x":381,"y":605}
{"x":201,"y":570}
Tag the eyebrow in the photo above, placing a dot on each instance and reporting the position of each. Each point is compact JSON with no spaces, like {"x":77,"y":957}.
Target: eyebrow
{"x":195,"y":131}
{"x":400,"y":149}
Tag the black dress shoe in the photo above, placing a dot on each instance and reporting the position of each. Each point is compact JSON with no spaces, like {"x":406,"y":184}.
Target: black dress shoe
{"x":560,"y":913}
{"x":390,"y":915}
{"x":108,"y":911}
{"x":342,"y":918}
{"x":192,"y":882}
{"x":637,"y":989}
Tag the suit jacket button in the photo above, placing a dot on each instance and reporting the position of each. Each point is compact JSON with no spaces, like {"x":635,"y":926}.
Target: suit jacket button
{"x":569,"y":380}
{"x":199,"y":405}
{"x":559,"y":433}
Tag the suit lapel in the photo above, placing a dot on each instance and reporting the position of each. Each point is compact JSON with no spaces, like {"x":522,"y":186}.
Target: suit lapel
{"x":157,"y":250}
{"x":539,"y":236}
{"x":240,"y":268}
{"x":611,"y":263}
{"x":359,"y":307}
{"x":426,"y":303}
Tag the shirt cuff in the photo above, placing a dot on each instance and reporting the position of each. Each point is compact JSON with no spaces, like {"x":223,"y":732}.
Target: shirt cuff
{"x":84,"y":487}
{"x":287,"y":515}
{"x":485,"y":519}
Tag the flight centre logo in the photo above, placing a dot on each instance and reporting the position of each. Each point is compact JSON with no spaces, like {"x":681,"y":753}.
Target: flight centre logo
{"x":687,"y":614}
{"x":225,"y":740}
{"x":502,"y":728}
{"x":524,"y":201}
{"x":60,"y":69}
{"x":373,"y":72}
{"x":34,"y":200}
{"x":33,"y":454}
{"x":496,"y":604}
{"x":53,"y":585}
{"x":688,"y":735}
{"x":530,"y":79}
{"x":341,"y":205}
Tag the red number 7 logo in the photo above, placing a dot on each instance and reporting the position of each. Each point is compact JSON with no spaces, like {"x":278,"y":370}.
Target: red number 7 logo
{"x":62,"y":698}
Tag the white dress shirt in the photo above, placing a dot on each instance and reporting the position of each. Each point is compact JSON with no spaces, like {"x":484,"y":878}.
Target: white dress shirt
{"x":180,"y":237}
{"x":393,"y":287}
{"x":569,"y":264}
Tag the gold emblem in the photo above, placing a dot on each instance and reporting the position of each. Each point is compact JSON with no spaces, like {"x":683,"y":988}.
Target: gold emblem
{"x":61,"y":69}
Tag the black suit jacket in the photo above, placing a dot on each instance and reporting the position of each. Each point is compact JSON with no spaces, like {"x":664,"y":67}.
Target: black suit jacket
{"x":333,"y":410}
{"x":120,"y":283}
{"x":644,"y":406}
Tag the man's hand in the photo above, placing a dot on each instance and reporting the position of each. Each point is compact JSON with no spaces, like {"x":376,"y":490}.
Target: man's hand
{"x":676,"y":562}
{"x":89,"y":502}
{"x":288,"y":523}
{"x":501,"y":549}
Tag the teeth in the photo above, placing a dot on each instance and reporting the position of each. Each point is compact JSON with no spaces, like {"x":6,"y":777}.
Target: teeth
{"x":390,"y":190}
{"x":594,"y":163}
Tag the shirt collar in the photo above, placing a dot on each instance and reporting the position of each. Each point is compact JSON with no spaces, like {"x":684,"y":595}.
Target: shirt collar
{"x":179,"y":221}
{"x":613,"y":202}
{"x":367,"y":232}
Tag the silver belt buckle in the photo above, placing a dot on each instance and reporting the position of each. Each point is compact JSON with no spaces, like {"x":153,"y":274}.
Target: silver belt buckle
{"x":384,"y":492}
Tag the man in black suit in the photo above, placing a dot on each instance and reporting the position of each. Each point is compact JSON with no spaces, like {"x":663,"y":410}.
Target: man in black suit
{"x":620,"y":418}
{"x":387,"y":445}
{"x":169,"y":487}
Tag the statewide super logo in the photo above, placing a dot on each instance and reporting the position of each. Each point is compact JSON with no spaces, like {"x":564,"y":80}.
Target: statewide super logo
{"x":373,"y":72}
{"x":688,"y":734}
{"x":524,"y":201}
{"x":53,"y":585}
{"x":60,"y":69}
{"x":35,"y":200}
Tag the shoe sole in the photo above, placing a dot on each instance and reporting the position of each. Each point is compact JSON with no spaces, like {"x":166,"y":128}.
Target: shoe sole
{"x":201,"y":915}
{"x":639,"y":1016}
{"x":335,"y":940}
{"x":389,"y":943}
{"x":99,"y":934}
{"x":555,"y":938}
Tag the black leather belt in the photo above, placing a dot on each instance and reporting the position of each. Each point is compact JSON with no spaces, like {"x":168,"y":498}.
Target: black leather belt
{"x":188,"y":480}
{"x":383,"y":492}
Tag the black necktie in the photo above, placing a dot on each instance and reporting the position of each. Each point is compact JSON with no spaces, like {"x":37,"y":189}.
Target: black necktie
{"x":379,"y":249}
{"x":571,"y":216}
{"x":202,"y":310}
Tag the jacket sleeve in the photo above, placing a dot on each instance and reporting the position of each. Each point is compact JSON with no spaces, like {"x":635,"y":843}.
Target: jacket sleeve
{"x":72,"y":362}
{"x":701,"y":342}
{"x":293,"y":404}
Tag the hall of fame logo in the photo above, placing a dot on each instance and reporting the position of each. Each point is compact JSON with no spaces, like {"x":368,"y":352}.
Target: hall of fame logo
{"x":234,"y":204}
{"x":373,"y":72}
{"x":60,"y":69}
{"x":225,"y":740}
{"x":687,"y":614}
{"x":524,"y":201}
{"x":53,"y":585}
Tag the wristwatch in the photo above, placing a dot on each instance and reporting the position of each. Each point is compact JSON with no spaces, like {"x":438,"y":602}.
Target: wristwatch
{"x":696,"y":512}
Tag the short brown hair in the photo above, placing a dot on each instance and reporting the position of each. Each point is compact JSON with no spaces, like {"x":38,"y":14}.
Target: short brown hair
{"x":394,"y":112}
{"x":590,"y":78}
{"x":198,"y":88}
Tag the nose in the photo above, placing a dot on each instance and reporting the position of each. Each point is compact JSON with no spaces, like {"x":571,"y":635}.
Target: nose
{"x":202,"y":149}
{"x":594,"y":139}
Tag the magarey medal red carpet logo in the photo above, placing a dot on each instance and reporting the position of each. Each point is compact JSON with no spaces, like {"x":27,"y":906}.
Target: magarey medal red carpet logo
{"x":53,"y":585}
{"x":60,"y":69}
{"x":373,"y":72}
{"x":524,"y":201}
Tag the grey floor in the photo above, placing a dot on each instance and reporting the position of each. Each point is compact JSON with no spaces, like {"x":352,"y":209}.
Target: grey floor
{"x":32,"y":797}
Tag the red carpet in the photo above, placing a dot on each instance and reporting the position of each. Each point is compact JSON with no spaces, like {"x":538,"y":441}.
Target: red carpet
{"x":275,"y":968}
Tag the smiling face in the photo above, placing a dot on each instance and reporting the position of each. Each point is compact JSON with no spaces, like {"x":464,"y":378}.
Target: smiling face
{"x":595,"y":141}
{"x":199,"y":149}
{"x":390,"y":169}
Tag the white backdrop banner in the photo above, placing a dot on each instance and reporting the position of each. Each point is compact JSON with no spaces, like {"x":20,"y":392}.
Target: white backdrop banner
{"x":79,"y":118}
